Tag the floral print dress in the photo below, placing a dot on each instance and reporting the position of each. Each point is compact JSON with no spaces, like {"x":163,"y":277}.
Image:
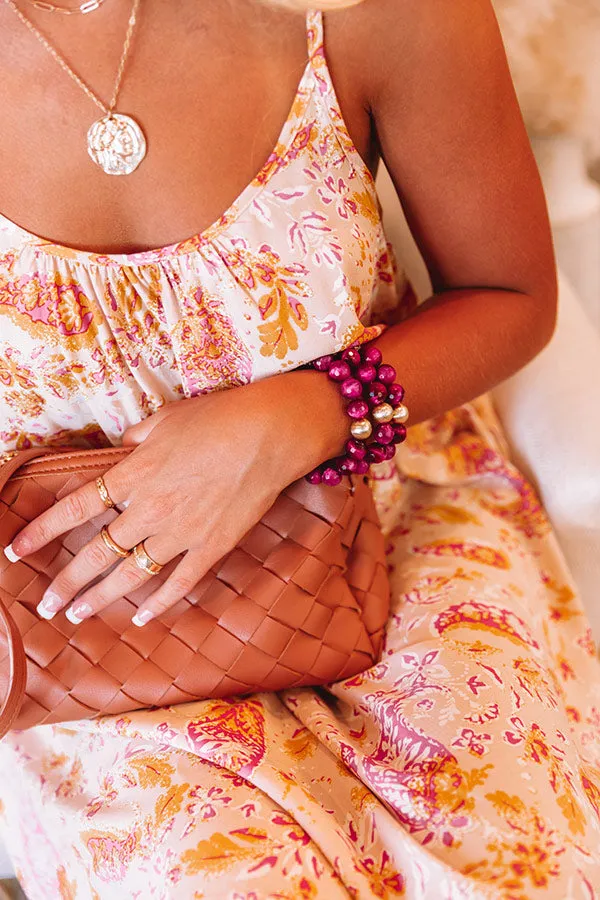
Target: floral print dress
{"x":466,"y":764}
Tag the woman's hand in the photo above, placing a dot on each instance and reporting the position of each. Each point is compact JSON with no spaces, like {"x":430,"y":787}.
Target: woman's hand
{"x":202,"y":472}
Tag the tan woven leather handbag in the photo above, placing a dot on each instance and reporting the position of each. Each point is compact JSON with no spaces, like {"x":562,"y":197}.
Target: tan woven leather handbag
{"x":302,"y":600}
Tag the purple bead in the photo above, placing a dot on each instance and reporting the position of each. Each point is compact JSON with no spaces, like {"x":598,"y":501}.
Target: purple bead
{"x":390,"y":451}
{"x":372,"y":355}
{"x":352,"y":355}
{"x":323,"y":363}
{"x":357,"y":409}
{"x":366,"y":372}
{"x":347,"y":465}
{"x":339,"y":371}
{"x":314,"y":477}
{"x":362,"y":467}
{"x":331,"y":476}
{"x":356,"y":449}
{"x":386,"y":374}
{"x":395,"y":394}
{"x":375,"y":454}
{"x":351,"y":389}
{"x":399,"y":434}
{"x":384,"y":434}
{"x":377,"y":393}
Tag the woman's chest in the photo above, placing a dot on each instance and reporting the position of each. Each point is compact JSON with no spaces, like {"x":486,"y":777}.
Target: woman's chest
{"x":210,"y":92}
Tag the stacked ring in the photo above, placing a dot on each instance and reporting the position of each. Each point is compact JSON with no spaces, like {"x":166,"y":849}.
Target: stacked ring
{"x":104,"y":495}
{"x":112,"y":545}
{"x":144,"y":560}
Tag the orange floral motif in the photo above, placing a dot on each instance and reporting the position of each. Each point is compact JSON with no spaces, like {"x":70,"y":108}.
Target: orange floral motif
{"x":385,"y":881}
{"x":152,"y":771}
{"x":136,"y":314}
{"x":590,"y":781}
{"x":224,"y":851}
{"x":302,"y":744}
{"x":474,"y":552}
{"x":537,"y":749}
{"x":564,"y":606}
{"x":72,"y":782}
{"x":487,"y":617}
{"x":524,"y":511}
{"x":444,"y":512}
{"x":111,"y":852}
{"x":531,"y":861}
{"x":67,"y":888}
{"x":25,"y":406}
{"x":211,"y":355}
{"x":433,"y":588}
{"x":14,"y":373}
{"x":532,"y":678}
{"x":282,"y":305}
{"x":233,"y":730}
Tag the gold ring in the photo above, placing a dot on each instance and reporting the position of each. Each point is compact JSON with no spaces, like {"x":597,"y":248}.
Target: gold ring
{"x":144,"y":560}
{"x":112,"y":545}
{"x":104,"y":495}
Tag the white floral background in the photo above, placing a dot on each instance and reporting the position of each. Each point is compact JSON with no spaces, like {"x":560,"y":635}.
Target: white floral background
{"x":553,"y":48}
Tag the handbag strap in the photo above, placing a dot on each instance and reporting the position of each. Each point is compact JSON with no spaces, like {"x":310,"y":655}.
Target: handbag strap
{"x":17,"y":672}
{"x":17,"y":660}
{"x":13,"y":460}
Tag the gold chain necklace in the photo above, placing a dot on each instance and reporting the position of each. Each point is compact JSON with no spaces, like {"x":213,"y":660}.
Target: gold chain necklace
{"x":115,"y":142}
{"x":87,"y":7}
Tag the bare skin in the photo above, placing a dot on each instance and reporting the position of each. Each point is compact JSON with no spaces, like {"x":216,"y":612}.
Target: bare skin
{"x":424,"y":85}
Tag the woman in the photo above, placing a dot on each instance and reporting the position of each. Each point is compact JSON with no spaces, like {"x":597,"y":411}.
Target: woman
{"x":467,"y":762}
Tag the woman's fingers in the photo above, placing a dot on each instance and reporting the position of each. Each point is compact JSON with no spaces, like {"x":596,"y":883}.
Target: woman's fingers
{"x":181,"y":581}
{"x":67,"y":513}
{"x":128,"y":576}
{"x":91,"y":561}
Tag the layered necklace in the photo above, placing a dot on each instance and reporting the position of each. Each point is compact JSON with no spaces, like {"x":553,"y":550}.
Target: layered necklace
{"x":115,"y":142}
{"x":87,"y":7}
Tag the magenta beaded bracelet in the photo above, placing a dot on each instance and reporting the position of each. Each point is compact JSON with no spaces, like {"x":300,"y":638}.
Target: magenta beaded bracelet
{"x":374,"y":405}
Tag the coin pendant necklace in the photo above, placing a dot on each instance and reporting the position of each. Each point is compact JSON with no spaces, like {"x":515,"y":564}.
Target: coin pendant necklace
{"x":115,"y":142}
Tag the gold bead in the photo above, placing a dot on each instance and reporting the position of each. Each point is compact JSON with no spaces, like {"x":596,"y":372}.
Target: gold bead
{"x":383,"y":413}
{"x":361,"y":429}
{"x":400,"y":414}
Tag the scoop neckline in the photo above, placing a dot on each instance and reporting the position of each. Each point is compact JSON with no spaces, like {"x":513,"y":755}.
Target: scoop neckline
{"x":290,"y":129}
{"x":193,"y":242}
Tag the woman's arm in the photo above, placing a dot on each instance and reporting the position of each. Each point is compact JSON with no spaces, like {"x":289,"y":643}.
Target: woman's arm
{"x":438,"y":88}
{"x":204,"y":470}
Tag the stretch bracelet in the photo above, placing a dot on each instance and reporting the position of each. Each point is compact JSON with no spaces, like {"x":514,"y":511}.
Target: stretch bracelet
{"x":375,"y":406}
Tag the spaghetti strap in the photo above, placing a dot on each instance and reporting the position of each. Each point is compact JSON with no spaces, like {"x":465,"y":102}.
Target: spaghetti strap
{"x":314,"y":31}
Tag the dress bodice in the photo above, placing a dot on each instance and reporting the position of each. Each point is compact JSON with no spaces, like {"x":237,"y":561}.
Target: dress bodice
{"x":296,"y":267}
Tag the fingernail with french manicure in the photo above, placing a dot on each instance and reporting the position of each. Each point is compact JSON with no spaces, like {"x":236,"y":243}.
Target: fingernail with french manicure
{"x":141,"y":618}
{"x":10,"y":554}
{"x":76,"y":614}
{"x":49,"y":605}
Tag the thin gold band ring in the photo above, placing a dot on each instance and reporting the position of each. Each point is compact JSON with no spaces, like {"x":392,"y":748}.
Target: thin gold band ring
{"x":144,"y":560}
{"x":112,"y":545}
{"x":104,"y":495}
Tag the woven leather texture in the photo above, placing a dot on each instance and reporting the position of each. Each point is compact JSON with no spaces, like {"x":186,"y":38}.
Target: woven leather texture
{"x":302,"y":600}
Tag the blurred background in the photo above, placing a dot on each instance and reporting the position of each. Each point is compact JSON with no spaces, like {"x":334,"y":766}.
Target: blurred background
{"x":554,"y":52}
{"x":550,"y":410}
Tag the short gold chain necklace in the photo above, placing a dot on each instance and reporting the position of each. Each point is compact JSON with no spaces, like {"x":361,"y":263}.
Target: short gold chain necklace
{"x":115,"y":142}
{"x":87,"y":7}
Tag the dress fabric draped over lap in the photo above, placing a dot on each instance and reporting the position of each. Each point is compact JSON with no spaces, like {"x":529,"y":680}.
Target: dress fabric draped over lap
{"x":465,"y":764}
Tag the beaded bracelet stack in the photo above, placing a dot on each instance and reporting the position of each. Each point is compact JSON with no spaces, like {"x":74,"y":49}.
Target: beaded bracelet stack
{"x":375,"y":407}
